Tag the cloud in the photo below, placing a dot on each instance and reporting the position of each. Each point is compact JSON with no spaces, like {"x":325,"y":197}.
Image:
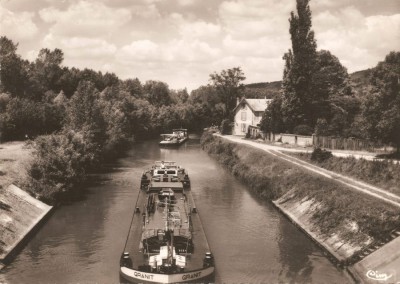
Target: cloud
{"x":199,"y":30}
{"x":80,"y":47}
{"x":266,"y":47}
{"x":89,"y":19}
{"x":141,"y":50}
{"x":17,"y":25}
{"x":186,"y":2}
{"x":172,"y":51}
{"x":359,"y":42}
{"x":252,"y":19}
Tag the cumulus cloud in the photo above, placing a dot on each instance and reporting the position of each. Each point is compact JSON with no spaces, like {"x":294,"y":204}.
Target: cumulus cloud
{"x":85,"y":19}
{"x":80,"y":47}
{"x":172,"y":51}
{"x":199,"y":30}
{"x":17,"y":25}
{"x":251,"y":19}
{"x":183,"y":41}
{"x":359,"y":42}
{"x":141,"y":50}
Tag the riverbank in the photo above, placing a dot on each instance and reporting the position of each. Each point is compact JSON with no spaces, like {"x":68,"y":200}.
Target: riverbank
{"x":14,"y":157}
{"x":20,"y":214}
{"x":346,"y":222}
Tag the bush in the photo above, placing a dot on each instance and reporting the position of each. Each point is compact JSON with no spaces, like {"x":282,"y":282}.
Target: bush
{"x":60,"y":162}
{"x":320,"y":155}
{"x":303,"y":129}
{"x":226,"y":127}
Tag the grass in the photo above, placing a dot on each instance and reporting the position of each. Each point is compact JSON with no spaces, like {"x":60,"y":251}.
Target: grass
{"x":14,"y":156}
{"x":271,"y":178}
{"x":384,"y":174}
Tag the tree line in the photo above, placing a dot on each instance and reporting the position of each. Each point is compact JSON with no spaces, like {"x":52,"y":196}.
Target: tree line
{"x":319,"y":97}
{"x":79,"y":118}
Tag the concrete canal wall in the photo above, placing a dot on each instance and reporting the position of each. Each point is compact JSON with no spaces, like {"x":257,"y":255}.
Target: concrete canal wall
{"x":349,"y":225}
{"x":20,"y":214}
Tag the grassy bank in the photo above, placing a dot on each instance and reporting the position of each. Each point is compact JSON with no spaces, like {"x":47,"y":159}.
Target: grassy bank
{"x":332,"y":209}
{"x":382,"y":173}
{"x":14,"y":158}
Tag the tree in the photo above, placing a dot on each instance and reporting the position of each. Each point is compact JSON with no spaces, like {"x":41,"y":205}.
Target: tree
{"x":58,"y":164}
{"x":133,"y":86}
{"x":112,"y":103}
{"x":84,"y":115}
{"x":300,"y":64}
{"x":228,"y":85}
{"x":333,"y":101}
{"x":179,"y":96}
{"x":381,"y":108}
{"x":157,"y":93}
{"x":13,"y":77}
{"x":272,"y":117}
{"x":47,"y":71}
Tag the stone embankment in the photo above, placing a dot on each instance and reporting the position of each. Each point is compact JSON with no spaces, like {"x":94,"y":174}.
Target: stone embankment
{"x":356,"y":223}
{"x":20,"y":214}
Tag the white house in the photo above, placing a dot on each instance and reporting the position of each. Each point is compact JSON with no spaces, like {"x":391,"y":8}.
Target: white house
{"x":248,"y":113}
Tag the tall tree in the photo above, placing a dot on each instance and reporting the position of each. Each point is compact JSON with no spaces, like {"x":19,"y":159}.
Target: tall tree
{"x":47,"y":70}
{"x":229,"y":86}
{"x":13,"y":77}
{"x":300,"y":64}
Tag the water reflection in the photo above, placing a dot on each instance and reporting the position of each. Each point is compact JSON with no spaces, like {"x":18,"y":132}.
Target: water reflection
{"x":251,"y":241}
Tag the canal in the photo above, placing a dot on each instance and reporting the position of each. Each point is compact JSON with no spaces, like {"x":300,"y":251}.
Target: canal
{"x":251,"y":241}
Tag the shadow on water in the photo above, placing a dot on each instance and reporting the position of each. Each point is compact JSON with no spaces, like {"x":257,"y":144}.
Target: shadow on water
{"x":251,"y":241}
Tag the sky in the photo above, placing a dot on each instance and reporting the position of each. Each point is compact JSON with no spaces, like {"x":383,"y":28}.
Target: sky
{"x":182,"y":42}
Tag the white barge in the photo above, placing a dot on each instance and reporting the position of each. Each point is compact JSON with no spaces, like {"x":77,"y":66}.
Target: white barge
{"x":176,"y":138}
{"x":166,"y":241}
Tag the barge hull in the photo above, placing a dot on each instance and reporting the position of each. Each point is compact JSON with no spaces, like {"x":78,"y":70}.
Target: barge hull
{"x":134,"y":276}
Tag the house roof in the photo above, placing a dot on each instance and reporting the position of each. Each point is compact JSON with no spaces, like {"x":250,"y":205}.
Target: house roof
{"x":255,"y":104}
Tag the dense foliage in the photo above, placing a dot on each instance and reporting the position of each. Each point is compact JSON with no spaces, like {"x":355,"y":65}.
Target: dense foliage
{"x":228,"y":85}
{"x":87,"y":116}
{"x":319,"y":95}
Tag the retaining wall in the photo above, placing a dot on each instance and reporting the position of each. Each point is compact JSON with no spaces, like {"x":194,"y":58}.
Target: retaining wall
{"x":20,"y":214}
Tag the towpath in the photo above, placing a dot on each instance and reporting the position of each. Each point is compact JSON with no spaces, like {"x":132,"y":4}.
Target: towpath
{"x":355,"y":184}
{"x":383,"y":264}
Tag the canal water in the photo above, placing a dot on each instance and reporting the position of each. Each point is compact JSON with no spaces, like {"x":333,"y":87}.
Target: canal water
{"x":252,"y":242}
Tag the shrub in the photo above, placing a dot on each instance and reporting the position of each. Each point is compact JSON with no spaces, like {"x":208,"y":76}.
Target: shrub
{"x":320,"y":155}
{"x":226,"y":127}
{"x":60,"y":162}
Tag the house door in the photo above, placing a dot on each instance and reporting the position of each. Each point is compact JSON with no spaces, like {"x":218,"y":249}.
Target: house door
{"x":244,"y":127}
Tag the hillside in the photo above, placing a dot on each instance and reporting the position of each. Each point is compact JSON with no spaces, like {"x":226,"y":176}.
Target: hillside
{"x":263,"y":90}
{"x":359,"y":81}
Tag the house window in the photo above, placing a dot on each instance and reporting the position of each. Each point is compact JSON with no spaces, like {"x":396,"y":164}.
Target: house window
{"x":244,"y":115}
{"x":243,"y":127}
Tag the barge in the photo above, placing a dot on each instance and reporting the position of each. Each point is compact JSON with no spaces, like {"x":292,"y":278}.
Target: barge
{"x":176,"y":138}
{"x":166,"y":241}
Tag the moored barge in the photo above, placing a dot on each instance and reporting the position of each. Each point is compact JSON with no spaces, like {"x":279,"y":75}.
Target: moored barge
{"x":176,"y":138}
{"x":166,"y":241}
